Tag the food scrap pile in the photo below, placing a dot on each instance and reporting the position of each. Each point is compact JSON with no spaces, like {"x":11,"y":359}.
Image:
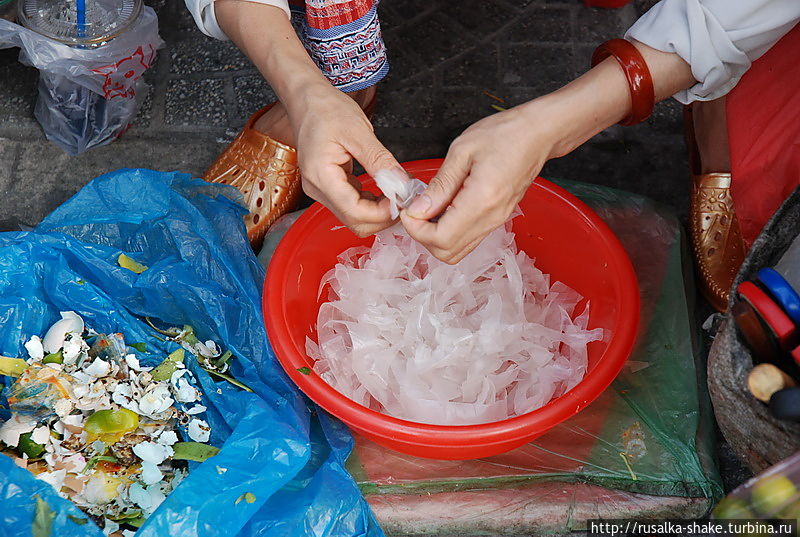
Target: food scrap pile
{"x":107,"y":433}
{"x":481,"y":341}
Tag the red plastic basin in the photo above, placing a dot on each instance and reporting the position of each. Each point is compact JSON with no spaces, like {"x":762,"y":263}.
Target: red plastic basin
{"x":566,"y":239}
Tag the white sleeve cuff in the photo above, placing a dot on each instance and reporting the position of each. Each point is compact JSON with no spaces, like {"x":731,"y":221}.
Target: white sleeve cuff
{"x":203,"y":13}
{"x":719,"y":38}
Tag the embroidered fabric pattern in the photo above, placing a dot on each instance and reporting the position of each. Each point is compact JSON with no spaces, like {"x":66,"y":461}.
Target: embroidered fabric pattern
{"x":351,"y":55}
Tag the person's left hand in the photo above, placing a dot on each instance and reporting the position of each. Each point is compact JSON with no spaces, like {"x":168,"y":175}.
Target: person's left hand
{"x":332,"y":130}
{"x":484,"y":176}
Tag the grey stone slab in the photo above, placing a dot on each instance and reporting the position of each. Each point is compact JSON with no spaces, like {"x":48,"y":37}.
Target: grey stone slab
{"x":389,"y":17}
{"x":154,"y":74}
{"x":37,"y":184}
{"x":480,"y":17}
{"x":667,"y":117}
{"x":412,"y":9}
{"x":462,"y":107}
{"x":436,"y":39}
{"x":45,"y":177}
{"x":408,"y":107}
{"x":161,"y":7}
{"x":643,"y":5}
{"x":478,"y":67}
{"x":145,"y":114}
{"x":521,"y":3}
{"x":207,"y":55}
{"x":183,"y":22}
{"x":514,"y":96}
{"x":404,"y":152}
{"x":252,"y":94}
{"x":18,"y":88}
{"x":404,"y":67}
{"x":544,"y":23}
{"x":9,"y":154}
{"x":543,"y":67}
{"x":595,"y":25}
{"x":196,"y":102}
{"x":654,"y":167}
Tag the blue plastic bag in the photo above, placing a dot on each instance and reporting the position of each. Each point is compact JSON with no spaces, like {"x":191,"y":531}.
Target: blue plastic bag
{"x":201,"y":272}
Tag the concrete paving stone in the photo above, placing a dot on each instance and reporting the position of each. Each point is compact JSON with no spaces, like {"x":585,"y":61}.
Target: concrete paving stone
{"x":196,"y":103}
{"x":404,"y":67}
{"x":667,"y":117}
{"x":179,"y":21}
{"x":543,"y":67}
{"x":191,"y":157}
{"x":153,"y":75}
{"x":9,"y":154}
{"x":161,"y":7}
{"x":404,"y":152}
{"x":45,"y":176}
{"x":252,"y":94}
{"x":389,"y":17}
{"x":436,"y":39}
{"x":643,"y":5}
{"x":145,"y":114}
{"x":478,"y":67}
{"x":480,"y":17}
{"x":653,"y":168}
{"x":595,"y":25}
{"x":37,"y":184}
{"x":515,"y":96}
{"x":462,"y":107}
{"x":18,"y":87}
{"x":207,"y":55}
{"x":542,"y":24}
{"x":407,"y":107}
{"x":411,"y":9}
{"x":521,"y":3}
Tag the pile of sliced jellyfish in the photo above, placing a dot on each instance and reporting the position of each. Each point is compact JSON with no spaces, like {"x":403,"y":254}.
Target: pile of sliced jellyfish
{"x":487,"y":339}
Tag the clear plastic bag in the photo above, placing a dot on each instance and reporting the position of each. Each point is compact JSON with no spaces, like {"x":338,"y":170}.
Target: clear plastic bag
{"x":87,"y":96}
{"x":773,"y":494}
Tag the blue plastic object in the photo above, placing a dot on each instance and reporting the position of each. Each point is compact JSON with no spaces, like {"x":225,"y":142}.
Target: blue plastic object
{"x":201,"y":272}
{"x":783,"y":293}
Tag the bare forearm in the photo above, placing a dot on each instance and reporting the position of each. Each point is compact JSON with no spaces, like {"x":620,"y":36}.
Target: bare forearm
{"x":600,"y":98}
{"x":265,"y":34}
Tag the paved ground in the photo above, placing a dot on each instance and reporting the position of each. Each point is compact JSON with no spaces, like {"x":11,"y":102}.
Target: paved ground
{"x":444,"y":54}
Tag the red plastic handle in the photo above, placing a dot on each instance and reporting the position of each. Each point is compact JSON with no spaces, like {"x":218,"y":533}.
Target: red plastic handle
{"x":772,"y":315}
{"x":640,"y":80}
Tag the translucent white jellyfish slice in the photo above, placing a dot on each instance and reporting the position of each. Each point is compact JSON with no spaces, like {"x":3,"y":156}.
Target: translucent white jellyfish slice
{"x":398,"y":188}
{"x":481,"y":341}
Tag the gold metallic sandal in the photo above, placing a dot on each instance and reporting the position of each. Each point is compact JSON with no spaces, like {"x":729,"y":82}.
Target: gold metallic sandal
{"x":266,"y":173}
{"x":714,"y":229}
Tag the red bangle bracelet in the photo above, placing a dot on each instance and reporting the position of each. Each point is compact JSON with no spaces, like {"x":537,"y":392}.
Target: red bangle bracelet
{"x":639,"y":79}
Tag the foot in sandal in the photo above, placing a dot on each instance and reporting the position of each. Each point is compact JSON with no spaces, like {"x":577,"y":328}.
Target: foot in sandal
{"x":713,"y":227}
{"x":262,"y":163}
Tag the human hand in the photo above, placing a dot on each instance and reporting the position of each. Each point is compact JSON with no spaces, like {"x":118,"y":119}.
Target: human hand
{"x":489,"y":167}
{"x":331,"y":130}
{"x":484,"y":176}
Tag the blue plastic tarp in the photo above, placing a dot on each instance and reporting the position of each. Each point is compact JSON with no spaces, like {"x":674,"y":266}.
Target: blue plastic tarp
{"x":202,"y":272}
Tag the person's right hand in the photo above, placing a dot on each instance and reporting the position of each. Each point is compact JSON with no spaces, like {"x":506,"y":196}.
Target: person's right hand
{"x":487,"y":171}
{"x":331,"y":130}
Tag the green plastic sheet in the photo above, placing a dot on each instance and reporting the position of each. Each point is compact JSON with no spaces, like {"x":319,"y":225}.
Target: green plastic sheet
{"x":650,"y":433}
